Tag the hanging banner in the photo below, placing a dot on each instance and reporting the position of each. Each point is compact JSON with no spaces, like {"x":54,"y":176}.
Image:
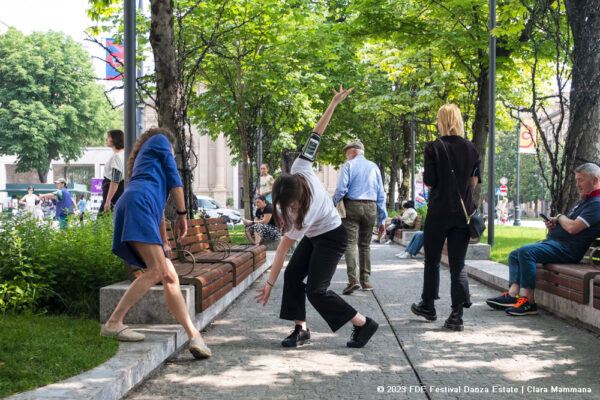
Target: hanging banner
{"x":526,"y":139}
{"x":114,"y":59}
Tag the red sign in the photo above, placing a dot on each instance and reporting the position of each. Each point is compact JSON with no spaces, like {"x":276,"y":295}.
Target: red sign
{"x":503,"y":189}
{"x":114,"y":59}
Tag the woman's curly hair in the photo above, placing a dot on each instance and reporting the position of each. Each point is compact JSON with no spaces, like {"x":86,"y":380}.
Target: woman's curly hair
{"x":141,"y":140}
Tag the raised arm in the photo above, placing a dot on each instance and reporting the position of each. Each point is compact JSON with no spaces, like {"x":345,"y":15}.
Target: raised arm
{"x":337,"y":99}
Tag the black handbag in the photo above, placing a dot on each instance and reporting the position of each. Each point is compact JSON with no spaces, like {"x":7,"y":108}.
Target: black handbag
{"x":475,"y":220}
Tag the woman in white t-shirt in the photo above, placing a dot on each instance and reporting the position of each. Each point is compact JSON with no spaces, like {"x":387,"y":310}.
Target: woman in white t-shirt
{"x":29,"y":201}
{"x":266,"y":183}
{"x":303,"y":207}
{"x":113,"y":183}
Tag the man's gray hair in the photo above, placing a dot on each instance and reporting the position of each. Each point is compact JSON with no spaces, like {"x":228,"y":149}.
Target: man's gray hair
{"x":360,"y":152}
{"x":589,"y":168}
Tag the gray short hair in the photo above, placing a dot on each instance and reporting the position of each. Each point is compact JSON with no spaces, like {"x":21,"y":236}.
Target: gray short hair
{"x":589,"y":168}
{"x":360,"y":152}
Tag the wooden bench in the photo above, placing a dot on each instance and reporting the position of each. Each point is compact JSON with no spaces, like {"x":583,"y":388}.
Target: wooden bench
{"x":571,"y":281}
{"x":416,"y":227}
{"x":596,"y":293}
{"x":214,"y":267}
{"x":219,"y":238}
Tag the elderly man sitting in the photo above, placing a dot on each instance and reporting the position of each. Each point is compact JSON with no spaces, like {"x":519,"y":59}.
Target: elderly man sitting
{"x":568,"y":238}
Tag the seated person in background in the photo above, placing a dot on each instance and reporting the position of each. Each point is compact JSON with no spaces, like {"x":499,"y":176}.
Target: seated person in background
{"x":414,"y":247}
{"x":406,"y":220}
{"x":263,"y":226}
{"x":569,"y":237}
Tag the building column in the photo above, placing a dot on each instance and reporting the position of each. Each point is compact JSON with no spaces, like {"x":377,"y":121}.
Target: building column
{"x":202,"y":169}
{"x":220,"y":191}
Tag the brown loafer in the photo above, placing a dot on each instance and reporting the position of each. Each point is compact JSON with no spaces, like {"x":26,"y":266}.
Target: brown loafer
{"x":351,"y":287}
{"x":366,"y":286}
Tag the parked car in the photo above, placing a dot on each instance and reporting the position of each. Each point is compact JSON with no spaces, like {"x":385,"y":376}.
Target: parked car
{"x":213,"y":209}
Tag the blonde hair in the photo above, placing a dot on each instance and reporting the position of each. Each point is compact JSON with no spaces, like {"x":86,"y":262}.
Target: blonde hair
{"x":449,"y":121}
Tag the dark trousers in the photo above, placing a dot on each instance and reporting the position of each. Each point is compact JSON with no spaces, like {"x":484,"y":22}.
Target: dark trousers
{"x":438,"y":228}
{"x":316,"y":259}
{"x":118,"y":193}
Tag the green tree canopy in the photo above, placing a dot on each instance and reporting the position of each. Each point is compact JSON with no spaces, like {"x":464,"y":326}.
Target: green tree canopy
{"x":49,"y":104}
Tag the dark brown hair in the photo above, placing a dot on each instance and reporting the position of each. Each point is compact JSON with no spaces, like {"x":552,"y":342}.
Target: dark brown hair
{"x":141,"y":140}
{"x":286,"y":190}
{"x":117,"y":137}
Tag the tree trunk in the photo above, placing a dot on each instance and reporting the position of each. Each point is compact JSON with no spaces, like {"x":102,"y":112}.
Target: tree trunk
{"x":288,"y":156}
{"x":246,"y":173}
{"x":169,"y":91}
{"x":583,"y":141}
{"x":404,"y":190}
{"x":481,"y":127}
{"x":395,"y":146}
{"x":42,"y":175}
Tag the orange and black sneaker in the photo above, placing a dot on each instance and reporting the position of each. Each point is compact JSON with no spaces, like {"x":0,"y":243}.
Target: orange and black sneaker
{"x":502,"y":302}
{"x":523,"y":307}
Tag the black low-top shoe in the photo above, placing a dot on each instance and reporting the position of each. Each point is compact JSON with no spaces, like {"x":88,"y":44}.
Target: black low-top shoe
{"x":422,"y":310}
{"x":298,"y":337}
{"x":362,"y":334}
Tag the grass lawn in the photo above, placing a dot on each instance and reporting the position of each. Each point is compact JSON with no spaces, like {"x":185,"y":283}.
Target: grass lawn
{"x":39,"y":350}
{"x":508,"y":237}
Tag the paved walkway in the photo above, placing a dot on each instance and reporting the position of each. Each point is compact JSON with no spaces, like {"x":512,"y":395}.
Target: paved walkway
{"x":497,"y":356}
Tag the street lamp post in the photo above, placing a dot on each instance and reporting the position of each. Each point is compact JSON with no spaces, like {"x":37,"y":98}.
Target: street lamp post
{"x":492,"y":121}
{"x":517,"y":195}
{"x":412,"y":153}
{"x":129,"y":29}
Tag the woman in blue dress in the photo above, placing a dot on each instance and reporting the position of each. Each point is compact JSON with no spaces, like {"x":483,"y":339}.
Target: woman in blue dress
{"x":140,"y":234}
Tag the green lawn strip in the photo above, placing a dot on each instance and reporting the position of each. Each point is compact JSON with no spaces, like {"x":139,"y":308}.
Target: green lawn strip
{"x":507,"y":238}
{"x":38,"y":350}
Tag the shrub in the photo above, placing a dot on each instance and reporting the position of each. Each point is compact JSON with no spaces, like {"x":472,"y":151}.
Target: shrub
{"x":422,"y":211}
{"x":47,"y":269}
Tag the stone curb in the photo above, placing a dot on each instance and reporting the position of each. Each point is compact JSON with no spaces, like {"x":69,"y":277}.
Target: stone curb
{"x":135,"y":361}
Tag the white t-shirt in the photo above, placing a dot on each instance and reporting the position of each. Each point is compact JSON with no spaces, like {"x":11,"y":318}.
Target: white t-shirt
{"x":117,"y":162}
{"x":321,"y":216}
{"x":30,"y":202}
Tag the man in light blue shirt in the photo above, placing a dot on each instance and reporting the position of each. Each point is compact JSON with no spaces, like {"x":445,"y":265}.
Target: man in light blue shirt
{"x":361,"y":189}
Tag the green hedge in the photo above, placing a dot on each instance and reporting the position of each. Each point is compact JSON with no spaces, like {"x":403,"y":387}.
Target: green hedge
{"x":45,"y":269}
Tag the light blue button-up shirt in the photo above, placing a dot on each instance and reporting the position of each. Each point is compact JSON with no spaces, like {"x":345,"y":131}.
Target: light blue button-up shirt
{"x":360,"y":179}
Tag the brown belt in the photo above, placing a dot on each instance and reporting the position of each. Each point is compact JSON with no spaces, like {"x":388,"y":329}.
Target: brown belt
{"x":361,"y":201}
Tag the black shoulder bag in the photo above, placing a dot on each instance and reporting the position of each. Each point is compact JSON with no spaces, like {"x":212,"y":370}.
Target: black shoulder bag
{"x":475,"y":220}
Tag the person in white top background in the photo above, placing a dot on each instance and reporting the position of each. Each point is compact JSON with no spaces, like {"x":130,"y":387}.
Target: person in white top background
{"x":302,"y":206}
{"x":266,"y":183}
{"x":29,"y":201}
{"x":113,"y":183}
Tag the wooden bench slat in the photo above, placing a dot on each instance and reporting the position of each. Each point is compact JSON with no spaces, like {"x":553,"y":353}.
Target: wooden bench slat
{"x":210,"y":300}
{"x":572,"y":295}
{"x":561,"y":280}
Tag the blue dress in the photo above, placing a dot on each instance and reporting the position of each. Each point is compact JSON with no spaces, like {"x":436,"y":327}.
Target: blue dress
{"x":138,"y":212}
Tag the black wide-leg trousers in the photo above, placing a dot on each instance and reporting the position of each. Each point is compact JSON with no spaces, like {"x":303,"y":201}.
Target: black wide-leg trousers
{"x":316,"y":259}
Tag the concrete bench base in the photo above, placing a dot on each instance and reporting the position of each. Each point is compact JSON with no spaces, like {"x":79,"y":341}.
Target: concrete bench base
{"x":150,"y":309}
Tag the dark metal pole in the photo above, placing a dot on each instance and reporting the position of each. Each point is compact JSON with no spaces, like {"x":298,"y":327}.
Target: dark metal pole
{"x":412,"y":158}
{"x":517,"y":195}
{"x":492,"y":122}
{"x":129,"y":79}
{"x":140,"y":106}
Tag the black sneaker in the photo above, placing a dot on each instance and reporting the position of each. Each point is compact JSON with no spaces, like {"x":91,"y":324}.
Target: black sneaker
{"x":422,"y":310}
{"x":361,"y":334}
{"x":502,"y":302}
{"x":298,"y":337}
{"x":523,"y":307}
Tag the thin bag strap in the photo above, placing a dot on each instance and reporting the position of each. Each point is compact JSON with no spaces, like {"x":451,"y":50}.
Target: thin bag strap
{"x":455,"y":182}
